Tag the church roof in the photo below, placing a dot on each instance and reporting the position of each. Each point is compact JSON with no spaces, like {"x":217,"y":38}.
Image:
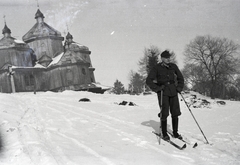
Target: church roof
{"x":38,"y":31}
{"x":56,"y":59}
{"x":78,"y":47}
{"x":11,"y":42}
{"x":41,"y":29}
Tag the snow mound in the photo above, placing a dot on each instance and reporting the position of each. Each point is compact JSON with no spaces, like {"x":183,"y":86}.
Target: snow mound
{"x":196,"y":100}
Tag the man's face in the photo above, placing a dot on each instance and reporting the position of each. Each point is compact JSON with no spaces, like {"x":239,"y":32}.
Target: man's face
{"x":165,"y":60}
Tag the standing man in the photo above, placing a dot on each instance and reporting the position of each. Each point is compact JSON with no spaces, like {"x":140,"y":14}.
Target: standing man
{"x":166,"y":77}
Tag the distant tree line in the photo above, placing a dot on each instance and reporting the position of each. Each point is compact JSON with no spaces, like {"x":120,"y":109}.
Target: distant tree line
{"x":211,"y":67}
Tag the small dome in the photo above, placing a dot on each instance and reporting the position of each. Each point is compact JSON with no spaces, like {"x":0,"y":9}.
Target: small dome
{"x":69,"y":36}
{"x":39,"y":14}
{"x":6,"y":30}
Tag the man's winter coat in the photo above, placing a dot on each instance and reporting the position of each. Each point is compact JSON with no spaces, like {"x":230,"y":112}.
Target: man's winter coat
{"x":167,"y":77}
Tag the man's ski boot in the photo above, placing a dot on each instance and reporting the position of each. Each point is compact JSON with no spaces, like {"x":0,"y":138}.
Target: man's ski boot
{"x":164,"y":130}
{"x":165,"y":137}
{"x":176,"y":135}
{"x":175,"y":128}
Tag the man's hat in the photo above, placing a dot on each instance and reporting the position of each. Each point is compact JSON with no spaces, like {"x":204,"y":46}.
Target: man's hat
{"x":165,"y":54}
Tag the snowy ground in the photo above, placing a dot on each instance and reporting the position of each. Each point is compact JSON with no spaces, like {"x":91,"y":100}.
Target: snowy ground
{"x":56,"y":129}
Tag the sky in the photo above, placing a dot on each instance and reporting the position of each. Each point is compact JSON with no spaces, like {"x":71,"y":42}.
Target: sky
{"x":118,"y":31}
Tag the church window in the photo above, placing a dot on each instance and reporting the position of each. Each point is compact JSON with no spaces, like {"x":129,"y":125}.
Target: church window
{"x":83,"y":71}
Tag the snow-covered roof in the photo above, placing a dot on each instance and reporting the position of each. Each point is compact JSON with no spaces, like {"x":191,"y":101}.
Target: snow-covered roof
{"x":19,"y":41}
{"x":10,"y":42}
{"x":56,"y":59}
{"x":39,"y":66}
{"x":102,"y":86}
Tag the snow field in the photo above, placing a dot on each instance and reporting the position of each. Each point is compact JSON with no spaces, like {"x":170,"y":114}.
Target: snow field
{"x":55,"y":128}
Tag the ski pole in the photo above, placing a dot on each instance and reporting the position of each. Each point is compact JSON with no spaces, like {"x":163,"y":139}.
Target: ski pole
{"x":194,"y":118}
{"x":160,"y":115}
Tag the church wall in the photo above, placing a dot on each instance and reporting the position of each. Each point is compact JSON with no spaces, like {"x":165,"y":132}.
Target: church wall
{"x":39,"y":47}
{"x":86,"y":56}
{"x":67,"y":76}
{"x":19,"y":81}
{"x":15,"y":57}
{"x":5,"y":84}
{"x":54,"y":79}
{"x":62,"y":77}
{"x":57,"y":47}
{"x":28,"y":79}
{"x":42,"y":81}
{"x":84,"y":74}
{"x":46,"y":46}
{"x":92,"y":77}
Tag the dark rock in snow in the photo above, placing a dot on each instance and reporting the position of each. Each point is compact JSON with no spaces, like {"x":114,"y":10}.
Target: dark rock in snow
{"x":123,"y":103}
{"x":221,"y":102}
{"x":84,"y":100}
{"x":127,"y":103}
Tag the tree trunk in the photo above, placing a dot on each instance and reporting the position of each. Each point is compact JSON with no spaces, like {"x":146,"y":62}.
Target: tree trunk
{"x":213,"y":89}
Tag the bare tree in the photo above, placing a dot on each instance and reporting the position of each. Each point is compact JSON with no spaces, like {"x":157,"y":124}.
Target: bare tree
{"x":195,"y":78}
{"x":217,"y":58}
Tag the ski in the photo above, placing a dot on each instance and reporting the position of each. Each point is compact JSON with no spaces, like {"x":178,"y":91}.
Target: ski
{"x":183,"y":140}
{"x":172,"y":143}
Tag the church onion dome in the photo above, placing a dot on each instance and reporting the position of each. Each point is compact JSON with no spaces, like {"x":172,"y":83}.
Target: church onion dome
{"x":6,"y":30}
{"x":69,"y":36}
{"x":39,"y":14}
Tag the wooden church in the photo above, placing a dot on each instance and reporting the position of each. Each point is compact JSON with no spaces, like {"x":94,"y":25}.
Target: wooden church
{"x":41,"y":62}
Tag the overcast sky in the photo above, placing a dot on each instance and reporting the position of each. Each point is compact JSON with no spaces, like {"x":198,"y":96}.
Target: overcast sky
{"x":117,"y":31}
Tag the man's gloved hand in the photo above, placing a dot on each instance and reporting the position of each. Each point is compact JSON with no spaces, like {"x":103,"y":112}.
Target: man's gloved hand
{"x":160,"y":88}
{"x":179,"y":90}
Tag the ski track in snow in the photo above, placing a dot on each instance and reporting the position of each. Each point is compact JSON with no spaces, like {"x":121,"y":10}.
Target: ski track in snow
{"x":89,"y":150}
{"x":107,"y":121}
{"x":137,"y":139}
